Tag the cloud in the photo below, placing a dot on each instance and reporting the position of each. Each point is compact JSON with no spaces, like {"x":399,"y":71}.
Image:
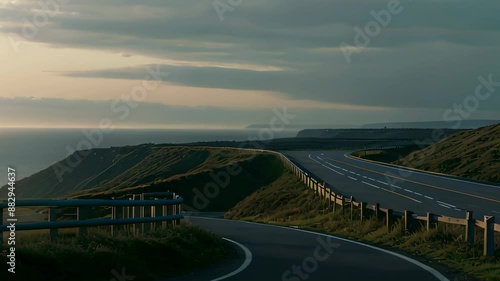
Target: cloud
{"x":428,"y":57}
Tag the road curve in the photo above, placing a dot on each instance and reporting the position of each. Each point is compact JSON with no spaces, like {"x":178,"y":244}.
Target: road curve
{"x":397,"y":188}
{"x":288,"y":254}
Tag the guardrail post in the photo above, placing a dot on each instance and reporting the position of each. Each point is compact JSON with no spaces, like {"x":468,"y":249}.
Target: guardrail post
{"x":352,"y":207}
{"x":130,"y":214}
{"x":173,"y":211}
{"x":324,"y":190}
{"x":377,"y":211}
{"x":430,"y":222}
{"x":118,"y":214}
{"x":334,"y":201}
{"x":329,"y":196}
{"x":52,"y":216}
{"x":408,"y":221}
{"x":179,"y":211}
{"x":82,"y":213}
{"x":389,"y":219}
{"x":342,"y":198}
{"x":164,"y":212}
{"x":362,"y":211}
{"x":1,"y":223}
{"x":136,"y":213}
{"x":158,"y":213}
{"x":147,"y":213}
{"x":141,"y":214}
{"x":489,"y":236}
{"x":469,"y":228}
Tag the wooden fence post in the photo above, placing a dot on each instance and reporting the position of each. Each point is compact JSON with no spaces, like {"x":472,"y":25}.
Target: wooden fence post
{"x":377,"y":211}
{"x":136,"y":213}
{"x":158,"y":213}
{"x":489,"y":236}
{"x":130,"y":214}
{"x":53,"y":218}
{"x":430,"y":222}
{"x":352,"y":207}
{"x":141,"y":214}
{"x":408,"y":221}
{"x":164,"y":213}
{"x":362,"y":212}
{"x":179,"y":211}
{"x":469,"y":228}
{"x":389,"y":219}
{"x":334,"y":201}
{"x":329,"y":192}
{"x":342,"y":198}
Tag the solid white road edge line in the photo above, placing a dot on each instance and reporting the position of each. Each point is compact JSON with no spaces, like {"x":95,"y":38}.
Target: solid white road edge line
{"x":248,"y":260}
{"x":429,"y":269}
{"x":370,"y":184}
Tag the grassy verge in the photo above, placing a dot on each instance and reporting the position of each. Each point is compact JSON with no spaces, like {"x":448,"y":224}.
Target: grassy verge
{"x":287,"y":202}
{"x":387,"y":155}
{"x":99,"y":256}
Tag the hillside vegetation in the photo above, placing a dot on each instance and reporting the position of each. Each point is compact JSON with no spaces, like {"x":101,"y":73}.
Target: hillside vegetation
{"x":165,"y":253}
{"x":372,"y":134}
{"x":473,"y":154}
{"x":230,"y":174}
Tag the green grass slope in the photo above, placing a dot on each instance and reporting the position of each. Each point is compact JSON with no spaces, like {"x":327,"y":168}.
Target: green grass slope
{"x":473,"y":154}
{"x":209,"y":179}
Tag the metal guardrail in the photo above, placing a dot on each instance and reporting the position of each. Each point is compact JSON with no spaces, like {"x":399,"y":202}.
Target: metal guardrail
{"x":389,"y":215}
{"x":132,"y":214}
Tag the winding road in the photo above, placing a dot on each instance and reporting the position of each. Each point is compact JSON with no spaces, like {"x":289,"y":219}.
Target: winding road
{"x":399,"y":189}
{"x":270,"y":252}
{"x":288,"y":254}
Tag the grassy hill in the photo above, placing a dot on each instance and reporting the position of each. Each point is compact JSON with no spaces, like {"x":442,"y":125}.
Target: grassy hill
{"x":473,"y":154}
{"x":113,"y":172}
{"x":372,"y":134}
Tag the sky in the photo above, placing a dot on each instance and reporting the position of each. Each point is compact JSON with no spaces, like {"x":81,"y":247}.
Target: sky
{"x":232,"y":63}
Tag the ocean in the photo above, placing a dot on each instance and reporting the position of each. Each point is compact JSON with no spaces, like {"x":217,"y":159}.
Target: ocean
{"x":31,"y":150}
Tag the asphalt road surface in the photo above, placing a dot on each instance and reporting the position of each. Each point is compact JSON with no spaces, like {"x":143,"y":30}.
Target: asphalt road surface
{"x":287,"y":254}
{"x":399,"y":189}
